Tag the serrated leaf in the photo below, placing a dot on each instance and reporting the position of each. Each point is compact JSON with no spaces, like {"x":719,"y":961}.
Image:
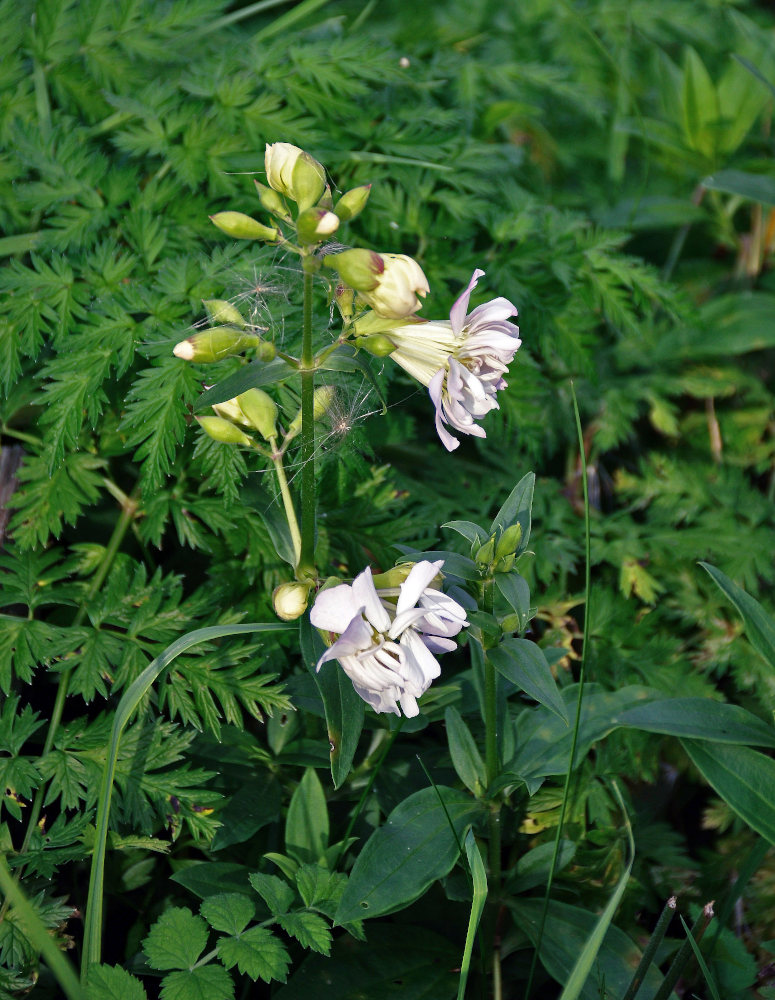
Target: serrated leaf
{"x":310,"y":930}
{"x":208,"y":982}
{"x":256,"y":953}
{"x":107,"y":982}
{"x":276,"y":893}
{"x":229,"y":912}
{"x":176,"y":940}
{"x":318,"y":886}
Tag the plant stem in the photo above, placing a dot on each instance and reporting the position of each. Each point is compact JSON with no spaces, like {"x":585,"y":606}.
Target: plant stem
{"x":39,"y":936}
{"x":307,"y":558}
{"x":685,"y":952}
{"x":651,"y":949}
{"x":579,"y":699}
{"x":128,"y":511}
{"x":290,"y":511}
{"x":492,"y":767}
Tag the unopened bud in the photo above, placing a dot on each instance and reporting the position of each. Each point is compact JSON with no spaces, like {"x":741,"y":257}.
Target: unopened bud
{"x":223,"y":430}
{"x":394,"y":577}
{"x":343,"y":296}
{"x":272,"y":201}
{"x":221,"y":311}
{"x":485,"y":553}
{"x":260,"y":410}
{"x":265,"y":350}
{"x":229,"y":409}
{"x":509,"y":541}
{"x":353,"y":202}
{"x":212,"y":345}
{"x":316,"y":225}
{"x":243,"y":227}
{"x":322,"y":399}
{"x":290,"y":600}
{"x":360,"y":269}
{"x":294,"y":173}
{"x":377,"y":344}
{"x":326,"y":200}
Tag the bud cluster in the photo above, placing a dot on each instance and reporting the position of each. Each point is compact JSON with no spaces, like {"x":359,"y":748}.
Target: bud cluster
{"x":498,"y":554}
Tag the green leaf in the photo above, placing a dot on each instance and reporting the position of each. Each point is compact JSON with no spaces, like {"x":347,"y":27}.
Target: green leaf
{"x":466,"y":758}
{"x":252,"y":376}
{"x":309,"y":929}
{"x":759,"y":625}
{"x":533,"y":867}
{"x":468,"y":530}
{"x":699,"y":105}
{"x":257,"y":953}
{"x":479,"y":879}
{"x":319,"y":887}
{"x":754,"y":187}
{"x":743,"y":778}
{"x":276,"y":893}
{"x":397,"y":963}
{"x":516,"y":592}
{"x":107,"y":982}
{"x":344,"y":708}
{"x":208,"y":982}
{"x":402,"y":859}
{"x":208,"y":878}
{"x":306,"y":825}
{"x":229,"y":912}
{"x":516,"y":510}
{"x":176,"y":940}
{"x":523,"y":663}
{"x":250,"y":809}
{"x":566,"y":933}
{"x":699,"y":718}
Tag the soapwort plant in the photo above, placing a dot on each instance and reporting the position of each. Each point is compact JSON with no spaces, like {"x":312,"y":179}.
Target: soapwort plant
{"x":440,"y":639}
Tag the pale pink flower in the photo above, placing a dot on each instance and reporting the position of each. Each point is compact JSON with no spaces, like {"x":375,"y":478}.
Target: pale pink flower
{"x":387,"y":638}
{"x":462,"y":360}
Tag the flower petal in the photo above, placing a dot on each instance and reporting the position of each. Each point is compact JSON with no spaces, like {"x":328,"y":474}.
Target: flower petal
{"x":457,"y":313}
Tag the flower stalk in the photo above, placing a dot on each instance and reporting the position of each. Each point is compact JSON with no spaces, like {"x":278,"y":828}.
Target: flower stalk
{"x":306,"y":563}
{"x":285,"y":493}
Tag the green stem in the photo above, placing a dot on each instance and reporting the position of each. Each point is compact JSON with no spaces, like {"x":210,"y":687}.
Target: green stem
{"x":128,"y":511}
{"x":685,"y":953}
{"x":492,"y":768}
{"x":39,"y":936}
{"x":307,"y":558}
{"x":651,"y":949}
{"x":290,"y":511}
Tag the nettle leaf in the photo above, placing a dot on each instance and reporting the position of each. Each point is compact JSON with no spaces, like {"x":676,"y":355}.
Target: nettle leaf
{"x":257,"y":953}
{"x":309,"y":929}
{"x":106,"y":982}
{"x":176,"y":940}
{"x":229,"y":912}
{"x":276,"y":893}
{"x":208,"y":982}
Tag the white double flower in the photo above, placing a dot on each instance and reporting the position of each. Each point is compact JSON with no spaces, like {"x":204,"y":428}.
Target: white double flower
{"x":387,"y":638}
{"x":462,"y":360}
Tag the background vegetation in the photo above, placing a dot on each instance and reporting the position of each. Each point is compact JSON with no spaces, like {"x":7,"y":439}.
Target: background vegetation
{"x":609,"y":165}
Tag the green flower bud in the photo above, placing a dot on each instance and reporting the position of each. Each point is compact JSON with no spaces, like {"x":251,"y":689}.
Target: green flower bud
{"x":230,"y":410}
{"x":360,"y":269}
{"x":260,"y":410}
{"x":484,"y":554}
{"x":221,"y":311}
{"x":353,"y":202}
{"x":343,"y":296}
{"x":243,"y":227}
{"x":316,"y":225}
{"x":509,"y":541}
{"x":222,"y":430}
{"x":212,"y":345}
{"x":377,"y":344}
{"x":294,"y":173}
{"x":290,"y":600}
{"x":326,"y":201}
{"x":321,"y":401}
{"x":266,"y":350}
{"x":272,"y":202}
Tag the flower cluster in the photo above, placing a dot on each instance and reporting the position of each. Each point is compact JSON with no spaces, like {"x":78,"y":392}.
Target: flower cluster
{"x":462,"y":360}
{"x":387,"y":638}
